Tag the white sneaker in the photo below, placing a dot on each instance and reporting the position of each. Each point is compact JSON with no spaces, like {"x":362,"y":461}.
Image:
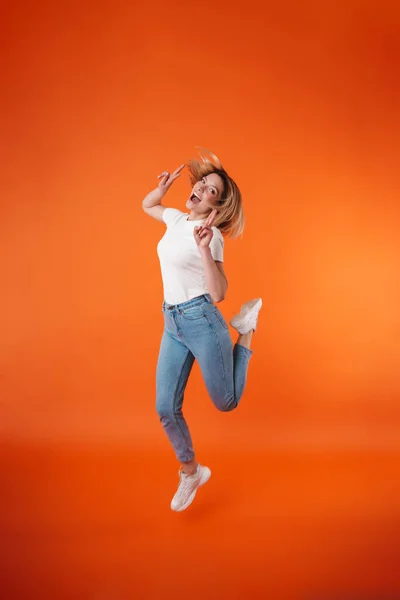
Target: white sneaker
{"x":246,"y":320}
{"x":187,"y":488}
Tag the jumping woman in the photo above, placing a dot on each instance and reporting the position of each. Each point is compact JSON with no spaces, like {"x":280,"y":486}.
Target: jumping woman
{"x":191,"y":255}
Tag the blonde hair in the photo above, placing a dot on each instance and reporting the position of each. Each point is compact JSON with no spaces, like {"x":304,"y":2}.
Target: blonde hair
{"x":230,"y":217}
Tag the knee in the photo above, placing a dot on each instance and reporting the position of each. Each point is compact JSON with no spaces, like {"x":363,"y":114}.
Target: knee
{"x":226,"y":404}
{"x":166,"y":411}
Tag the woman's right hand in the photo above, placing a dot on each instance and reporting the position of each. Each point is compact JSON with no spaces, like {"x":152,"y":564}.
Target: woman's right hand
{"x":167,"y":179}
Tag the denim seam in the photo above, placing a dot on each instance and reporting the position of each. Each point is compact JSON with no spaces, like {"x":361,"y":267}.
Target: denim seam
{"x":238,"y":349}
{"x":221,"y":319}
{"x":175,"y":397}
{"x":220,"y":353}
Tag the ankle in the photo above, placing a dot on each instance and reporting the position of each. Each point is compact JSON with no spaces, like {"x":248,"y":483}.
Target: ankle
{"x":244,"y":339}
{"x":189,"y":469}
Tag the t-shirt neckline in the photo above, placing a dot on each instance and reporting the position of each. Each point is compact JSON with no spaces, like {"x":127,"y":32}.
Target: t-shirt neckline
{"x":193,"y":220}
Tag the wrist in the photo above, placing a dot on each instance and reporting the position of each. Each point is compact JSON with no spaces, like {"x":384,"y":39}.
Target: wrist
{"x":159,"y":193}
{"x":205,"y":252}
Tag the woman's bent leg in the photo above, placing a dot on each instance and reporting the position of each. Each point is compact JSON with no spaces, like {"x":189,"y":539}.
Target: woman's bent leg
{"x":224,"y":368}
{"x":224,"y":372}
{"x":175,"y":362}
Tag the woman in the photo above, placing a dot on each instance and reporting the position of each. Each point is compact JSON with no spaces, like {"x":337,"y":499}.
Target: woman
{"x":191,"y":259}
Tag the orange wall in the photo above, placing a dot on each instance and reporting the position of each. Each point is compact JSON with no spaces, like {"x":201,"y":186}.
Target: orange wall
{"x":301,"y":105}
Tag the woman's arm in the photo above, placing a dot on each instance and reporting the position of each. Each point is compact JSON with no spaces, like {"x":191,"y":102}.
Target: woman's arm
{"x":214,"y":273}
{"x":152,"y":202}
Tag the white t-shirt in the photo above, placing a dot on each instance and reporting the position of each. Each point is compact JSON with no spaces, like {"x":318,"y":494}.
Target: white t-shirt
{"x":181,"y":263}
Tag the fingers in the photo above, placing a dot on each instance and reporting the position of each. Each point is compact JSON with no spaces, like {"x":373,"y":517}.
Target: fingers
{"x":203,"y":236}
{"x":202,"y":231}
{"x":176,"y":172}
{"x":179,"y":169}
{"x":211,"y":218}
{"x":168,"y":178}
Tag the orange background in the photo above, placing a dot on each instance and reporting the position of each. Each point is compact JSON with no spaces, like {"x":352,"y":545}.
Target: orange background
{"x":301,"y":104}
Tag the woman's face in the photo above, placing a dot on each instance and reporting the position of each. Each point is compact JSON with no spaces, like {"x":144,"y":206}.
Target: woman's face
{"x":206,"y":192}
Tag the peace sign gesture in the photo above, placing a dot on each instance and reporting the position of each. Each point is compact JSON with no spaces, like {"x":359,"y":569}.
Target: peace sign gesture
{"x":167,"y":179}
{"x":203,"y":234}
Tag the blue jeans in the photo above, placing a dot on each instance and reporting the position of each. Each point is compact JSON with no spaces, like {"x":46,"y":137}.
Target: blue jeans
{"x":196,"y":330}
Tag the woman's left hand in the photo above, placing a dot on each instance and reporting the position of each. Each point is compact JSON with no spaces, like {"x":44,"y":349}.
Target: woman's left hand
{"x":203,"y":234}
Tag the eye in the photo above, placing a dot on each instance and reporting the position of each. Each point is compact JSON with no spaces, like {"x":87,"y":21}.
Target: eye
{"x":212,"y":191}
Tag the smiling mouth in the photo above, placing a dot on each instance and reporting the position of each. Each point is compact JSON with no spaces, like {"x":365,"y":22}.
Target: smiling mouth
{"x":194,"y":198}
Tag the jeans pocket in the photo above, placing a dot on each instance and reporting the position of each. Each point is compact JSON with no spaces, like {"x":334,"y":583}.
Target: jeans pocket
{"x":193,"y":312}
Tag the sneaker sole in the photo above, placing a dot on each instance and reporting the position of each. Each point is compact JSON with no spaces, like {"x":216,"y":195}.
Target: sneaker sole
{"x":204,"y":477}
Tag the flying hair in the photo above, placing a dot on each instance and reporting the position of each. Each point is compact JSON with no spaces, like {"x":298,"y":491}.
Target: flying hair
{"x":230,"y":217}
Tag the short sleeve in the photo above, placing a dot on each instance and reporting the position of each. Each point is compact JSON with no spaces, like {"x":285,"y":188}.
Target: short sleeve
{"x":217,"y":245}
{"x":171,"y":216}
